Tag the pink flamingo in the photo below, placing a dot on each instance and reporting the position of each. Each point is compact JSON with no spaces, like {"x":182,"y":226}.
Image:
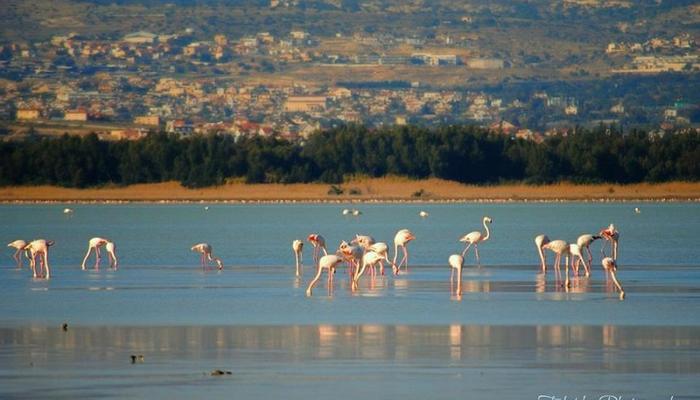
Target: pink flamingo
{"x":541,"y":240}
{"x":559,"y":247}
{"x":297,"y":246}
{"x":473,"y":238}
{"x":329,"y":263}
{"x":456,"y":262}
{"x":352,"y":255}
{"x":95,"y":244}
{"x":205,"y":250}
{"x":382,"y":249}
{"x":40,"y":248}
{"x":401,"y":240}
{"x":319,"y":244}
{"x":363,"y":241}
{"x":610,"y":234}
{"x":20,"y":246}
{"x":610,"y":266}
{"x":575,"y":252}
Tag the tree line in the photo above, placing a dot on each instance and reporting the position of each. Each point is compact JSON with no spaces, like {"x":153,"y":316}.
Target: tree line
{"x":465,"y":154}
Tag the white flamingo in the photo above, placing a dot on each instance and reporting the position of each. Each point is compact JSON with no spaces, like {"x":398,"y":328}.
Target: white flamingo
{"x":610,"y":266}
{"x":369,"y":259}
{"x":456,"y":262}
{"x":297,"y":246}
{"x":205,"y":250}
{"x":95,"y":244}
{"x":401,"y":239}
{"x":40,"y":248}
{"x":575,"y":251}
{"x":319,"y":243}
{"x":559,"y":247}
{"x":19,"y":245}
{"x":584,"y":243}
{"x":382,"y":249}
{"x":329,"y":263}
{"x":473,"y":238}
{"x":364,"y":241}
{"x":541,"y":240}
{"x":352,"y":255}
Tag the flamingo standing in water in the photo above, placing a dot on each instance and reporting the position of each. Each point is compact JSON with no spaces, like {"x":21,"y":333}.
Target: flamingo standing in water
{"x":610,"y":234}
{"x":401,"y":240}
{"x":584,"y":242}
{"x":473,"y":238}
{"x":369,"y":259}
{"x":319,"y":244}
{"x":95,"y":244}
{"x":559,"y":247}
{"x":382,"y":249}
{"x":297,"y":246}
{"x":575,"y":251}
{"x":20,"y":246}
{"x":352,"y":255}
{"x":364,"y":241}
{"x":456,"y":262}
{"x":610,"y":266}
{"x":205,"y":250}
{"x":327,"y":262}
{"x":40,"y":248}
{"x":541,"y":240}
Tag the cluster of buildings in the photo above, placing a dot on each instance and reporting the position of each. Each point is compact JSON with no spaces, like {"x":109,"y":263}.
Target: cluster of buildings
{"x":658,"y":55}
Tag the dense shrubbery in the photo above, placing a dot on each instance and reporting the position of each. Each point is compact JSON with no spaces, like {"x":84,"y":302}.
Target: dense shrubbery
{"x":460,"y":153}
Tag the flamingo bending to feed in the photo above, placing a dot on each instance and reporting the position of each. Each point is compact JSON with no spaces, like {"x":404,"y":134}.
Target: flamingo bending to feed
{"x":456,"y":262}
{"x":382,"y":249}
{"x":40,"y":248}
{"x":473,"y":238}
{"x":559,"y":247}
{"x":401,"y":240}
{"x":584,"y":242}
{"x":327,"y":262}
{"x":297,"y":246}
{"x":610,"y":266}
{"x":205,"y":250}
{"x":575,"y":251}
{"x":352,"y":255}
{"x":20,"y":246}
{"x":95,"y":244}
{"x":370,"y":259}
{"x":364,"y":241}
{"x":319,"y":244}
{"x":541,"y":240}
{"x":610,"y":234}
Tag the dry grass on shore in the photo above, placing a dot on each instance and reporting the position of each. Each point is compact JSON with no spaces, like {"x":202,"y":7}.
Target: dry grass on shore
{"x":380,"y":189}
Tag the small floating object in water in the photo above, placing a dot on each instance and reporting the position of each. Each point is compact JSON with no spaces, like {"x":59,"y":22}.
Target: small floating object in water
{"x":637,"y":210}
{"x":218,"y":372}
{"x":346,"y":211}
{"x":423,"y":214}
{"x":68,"y":211}
{"x":206,"y":208}
{"x":64,"y":327}
{"x":356,"y":212}
{"x":137,"y":358}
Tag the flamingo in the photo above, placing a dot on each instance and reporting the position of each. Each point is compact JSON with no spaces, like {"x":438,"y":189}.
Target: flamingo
{"x":369,"y":259}
{"x":473,"y":238}
{"x":401,"y":240}
{"x":575,"y":251}
{"x":95,"y":244}
{"x":610,"y":265}
{"x":351,"y":254}
{"x":584,"y":242}
{"x":319,"y":244}
{"x":541,"y":240}
{"x":365,"y":241}
{"x":613,"y":236}
{"x":382,"y":249}
{"x":423,"y":214}
{"x":456,"y":262}
{"x":205,"y":250}
{"x":559,"y":247}
{"x":20,"y":246}
{"x":327,"y":262}
{"x":40,"y":248}
{"x":297,"y":246}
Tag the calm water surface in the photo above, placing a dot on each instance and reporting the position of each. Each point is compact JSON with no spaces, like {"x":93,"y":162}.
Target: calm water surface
{"x":514,"y":333}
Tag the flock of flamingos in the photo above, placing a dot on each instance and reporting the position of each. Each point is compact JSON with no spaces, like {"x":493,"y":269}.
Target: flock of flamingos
{"x":364,"y":253}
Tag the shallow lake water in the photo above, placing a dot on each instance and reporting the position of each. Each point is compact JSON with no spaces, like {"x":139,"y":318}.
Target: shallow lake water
{"x":515,"y":333}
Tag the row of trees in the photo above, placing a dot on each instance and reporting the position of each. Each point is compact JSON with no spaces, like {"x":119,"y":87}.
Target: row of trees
{"x":461,"y":153}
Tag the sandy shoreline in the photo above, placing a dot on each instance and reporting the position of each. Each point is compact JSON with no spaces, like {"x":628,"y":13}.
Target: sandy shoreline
{"x":361,"y":190}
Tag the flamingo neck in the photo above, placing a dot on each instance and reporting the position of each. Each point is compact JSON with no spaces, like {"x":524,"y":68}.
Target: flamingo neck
{"x":488,"y":232}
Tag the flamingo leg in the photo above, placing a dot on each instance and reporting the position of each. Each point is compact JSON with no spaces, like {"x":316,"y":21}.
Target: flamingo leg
{"x":590,"y":255}
{"x":567,"y":282}
{"x":98,"y":257}
{"x":405,"y":257}
{"x":614,"y":249}
{"x":459,"y":281}
{"x":466,"y":250}
{"x":17,"y":258}
{"x":393,"y":262}
{"x":476,"y":251}
{"x":87,"y":255}
{"x":46,"y":264}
